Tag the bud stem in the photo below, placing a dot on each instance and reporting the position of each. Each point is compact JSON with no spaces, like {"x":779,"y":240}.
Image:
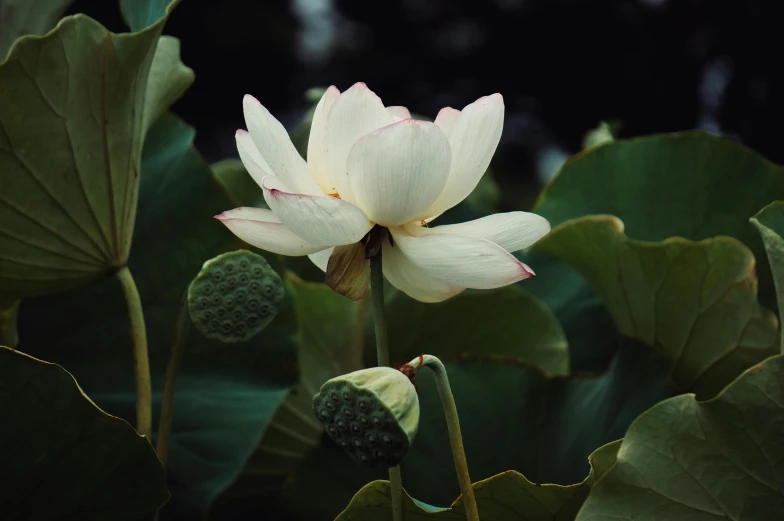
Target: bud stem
{"x":181,"y":330}
{"x":141,"y":358}
{"x":382,"y":352}
{"x":453,"y":425}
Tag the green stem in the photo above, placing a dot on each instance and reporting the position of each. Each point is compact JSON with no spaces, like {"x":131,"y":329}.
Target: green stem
{"x":141,"y":358}
{"x":382,"y":352}
{"x":170,"y":381}
{"x":377,"y":293}
{"x":453,"y":425}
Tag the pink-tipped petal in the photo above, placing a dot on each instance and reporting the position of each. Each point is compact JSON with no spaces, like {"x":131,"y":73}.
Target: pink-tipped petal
{"x":254,"y":163}
{"x":316,"y":147}
{"x":355,"y":113}
{"x":468,"y":262}
{"x":512,"y":231}
{"x":446,"y":119}
{"x":473,"y":136}
{"x":406,"y":276}
{"x":275,"y":146}
{"x":321,"y":258}
{"x":399,"y":112}
{"x":262,"y":229}
{"x":397,"y":171}
{"x":319,"y":219}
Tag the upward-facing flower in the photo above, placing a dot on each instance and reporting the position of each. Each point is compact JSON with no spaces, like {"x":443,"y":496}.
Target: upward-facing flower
{"x":374,"y":167}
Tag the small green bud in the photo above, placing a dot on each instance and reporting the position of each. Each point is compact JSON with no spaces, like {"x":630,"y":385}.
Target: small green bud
{"x":372,"y":413}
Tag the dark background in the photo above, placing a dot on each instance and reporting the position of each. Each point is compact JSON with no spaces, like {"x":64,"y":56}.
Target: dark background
{"x":562,"y":66}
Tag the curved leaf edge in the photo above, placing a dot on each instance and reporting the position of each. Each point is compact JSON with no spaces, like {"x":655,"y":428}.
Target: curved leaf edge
{"x":600,"y":462}
{"x":663,"y":135}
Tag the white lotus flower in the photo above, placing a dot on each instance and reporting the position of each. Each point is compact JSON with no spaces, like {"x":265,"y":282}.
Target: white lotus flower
{"x":370,"y":165}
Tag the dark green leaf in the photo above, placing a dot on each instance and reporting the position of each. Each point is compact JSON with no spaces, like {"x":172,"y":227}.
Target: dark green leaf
{"x":695,"y":302}
{"x":65,"y":458}
{"x":770,"y":223}
{"x":75,"y":107}
{"x":226,"y":395}
{"x":505,"y":323}
{"x":713,"y":460}
{"x":508,"y":496}
{"x":690,"y":184}
{"x":22,"y":17}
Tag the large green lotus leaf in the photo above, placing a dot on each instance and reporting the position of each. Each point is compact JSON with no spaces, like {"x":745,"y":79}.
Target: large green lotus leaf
{"x":64,"y":457}
{"x":75,"y":108}
{"x":589,"y":327}
{"x":329,"y":343}
{"x":695,"y":302}
{"x":711,"y":460}
{"x":506,"y":323}
{"x":508,"y":496}
{"x":22,"y":17}
{"x":169,"y":79}
{"x":770,"y":223}
{"x":689,"y":184}
{"x":226,"y":395}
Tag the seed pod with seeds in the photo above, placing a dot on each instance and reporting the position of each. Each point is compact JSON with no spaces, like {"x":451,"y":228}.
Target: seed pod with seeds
{"x":372,"y":413}
{"x":234,"y":296}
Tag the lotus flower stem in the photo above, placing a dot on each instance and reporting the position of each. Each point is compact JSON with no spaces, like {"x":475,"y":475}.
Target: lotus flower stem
{"x":141,"y":358}
{"x":181,"y":330}
{"x":453,"y":425}
{"x":382,"y":352}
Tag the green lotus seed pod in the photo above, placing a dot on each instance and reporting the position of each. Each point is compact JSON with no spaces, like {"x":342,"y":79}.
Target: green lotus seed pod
{"x":234,"y":296}
{"x":372,"y":413}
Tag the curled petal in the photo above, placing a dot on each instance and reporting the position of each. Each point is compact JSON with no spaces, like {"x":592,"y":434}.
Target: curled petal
{"x":251,"y":158}
{"x":409,"y":278}
{"x":396,"y":172}
{"x":512,"y":231}
{"x":275,"y":146}
{"x":321,"y":258}
{"x":319,"y":219}
{"x":399,"y":112}
{"x":446,"y":119}
{"x":316,"y":147}
{"x":467,"y":262}
{"x":355,"y":113}
{"x":262,"y":229}
{"x":348,"y":271}
{"x":474,"y":136}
